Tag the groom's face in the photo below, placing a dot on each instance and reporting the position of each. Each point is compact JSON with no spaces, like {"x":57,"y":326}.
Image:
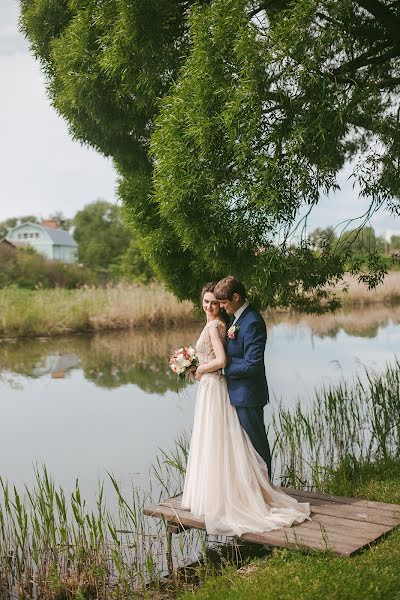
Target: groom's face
{"x":231,"y":306}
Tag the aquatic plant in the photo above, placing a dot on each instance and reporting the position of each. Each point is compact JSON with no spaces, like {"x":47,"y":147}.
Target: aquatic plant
{"x":359,"y":418}
{"x":53,"y":546}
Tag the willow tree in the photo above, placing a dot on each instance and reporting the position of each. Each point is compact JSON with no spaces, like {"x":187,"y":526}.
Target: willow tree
{"x":227,"y":119}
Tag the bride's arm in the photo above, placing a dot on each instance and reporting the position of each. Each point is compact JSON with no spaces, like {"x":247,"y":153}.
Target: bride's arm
{"x":219,"y":362}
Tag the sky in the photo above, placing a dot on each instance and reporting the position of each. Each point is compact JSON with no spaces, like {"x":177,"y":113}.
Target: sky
{"x":42,"y":170}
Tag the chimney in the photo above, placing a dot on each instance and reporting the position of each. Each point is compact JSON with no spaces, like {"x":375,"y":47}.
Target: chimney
{"x":50,"y":223}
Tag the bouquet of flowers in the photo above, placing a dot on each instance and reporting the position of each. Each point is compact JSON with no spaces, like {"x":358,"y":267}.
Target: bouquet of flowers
{"x":182,"y":360}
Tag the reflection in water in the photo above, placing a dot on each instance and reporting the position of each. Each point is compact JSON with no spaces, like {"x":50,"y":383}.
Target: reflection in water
{"x":108,"y":360}
{"x":111,"y":360}
{"x":358,"y":323}
{"x":57,"y":365}
{"x":117,"y":403}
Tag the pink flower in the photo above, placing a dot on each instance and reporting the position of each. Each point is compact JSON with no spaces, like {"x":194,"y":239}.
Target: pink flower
{"x":182,"y":360}
{"x":233,"y":331}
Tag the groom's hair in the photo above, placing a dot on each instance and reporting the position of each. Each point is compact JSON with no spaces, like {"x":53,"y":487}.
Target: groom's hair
{"x":226,"y":287}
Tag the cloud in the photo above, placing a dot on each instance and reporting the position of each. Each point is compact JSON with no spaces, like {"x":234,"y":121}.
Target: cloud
{"x":11,"y":40}
{"x":43,"y":170}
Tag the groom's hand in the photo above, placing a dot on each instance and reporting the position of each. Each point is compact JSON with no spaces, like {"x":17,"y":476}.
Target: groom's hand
{"x":198,"y":373}
{"x":190,"y":374}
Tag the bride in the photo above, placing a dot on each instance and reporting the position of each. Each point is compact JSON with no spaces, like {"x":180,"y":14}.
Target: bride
{"x":227,"y":481}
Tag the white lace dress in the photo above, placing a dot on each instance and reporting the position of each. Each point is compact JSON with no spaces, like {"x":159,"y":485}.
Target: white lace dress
{"x":226,"y":480}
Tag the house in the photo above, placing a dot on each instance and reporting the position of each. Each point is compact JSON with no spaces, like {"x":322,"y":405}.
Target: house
{"x":46,"y":238}
{"x":8,"y":245}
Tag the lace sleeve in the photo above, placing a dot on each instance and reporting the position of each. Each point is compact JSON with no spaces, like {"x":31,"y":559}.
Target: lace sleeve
{"x":220,"y":326}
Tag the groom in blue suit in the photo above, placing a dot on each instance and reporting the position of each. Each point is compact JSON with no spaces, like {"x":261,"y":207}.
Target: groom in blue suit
{"x":245,"y":369}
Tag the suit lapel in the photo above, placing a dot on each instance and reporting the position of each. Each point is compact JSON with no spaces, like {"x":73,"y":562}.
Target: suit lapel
{"x":244,"y":313}
{"x":237,"y":324}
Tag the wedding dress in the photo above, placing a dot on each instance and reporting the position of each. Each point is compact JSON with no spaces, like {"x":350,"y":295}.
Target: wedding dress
{"x":227,"y":481}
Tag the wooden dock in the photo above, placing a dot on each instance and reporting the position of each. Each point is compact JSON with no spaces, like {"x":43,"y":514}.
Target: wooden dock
{"x":339,"y":525}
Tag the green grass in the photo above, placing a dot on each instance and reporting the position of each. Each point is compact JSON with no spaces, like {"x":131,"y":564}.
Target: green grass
{"x":349,"y":438}
{"x":359,"y":418}
{"x":51,"y":312}
{"x":373,"y":574}
{"x":30,"y":313}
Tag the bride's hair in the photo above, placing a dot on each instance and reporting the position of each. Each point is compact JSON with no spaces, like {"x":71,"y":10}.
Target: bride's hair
{"x":209,"y":287}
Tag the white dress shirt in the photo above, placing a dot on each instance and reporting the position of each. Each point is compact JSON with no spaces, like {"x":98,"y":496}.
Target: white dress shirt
{"x":240,"y":311}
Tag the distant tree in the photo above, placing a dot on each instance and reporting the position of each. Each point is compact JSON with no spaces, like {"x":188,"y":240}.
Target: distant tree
{"x":394,"y":243}
{"x":62,"y":220}
{"x":133,"y":266}
{"x":13,"y":222}
{"x":359,"y":242}
{"x":322,"y":239}
{"x":101,"y":235}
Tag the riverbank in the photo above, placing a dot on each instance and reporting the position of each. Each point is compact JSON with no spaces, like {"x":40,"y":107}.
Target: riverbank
{"x":53,"y":312}
{"x":66,"y":546}
{"x":288,"y":575}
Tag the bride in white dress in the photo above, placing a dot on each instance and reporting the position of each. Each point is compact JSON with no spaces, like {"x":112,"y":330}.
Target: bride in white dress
{"x":227,"y":481}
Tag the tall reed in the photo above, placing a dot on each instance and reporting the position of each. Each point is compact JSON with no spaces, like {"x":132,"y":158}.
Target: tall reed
{"x":49,"y":312}
{"x":52,"y":546}
{"x":59,"y":311}
{"x":359,"y":418}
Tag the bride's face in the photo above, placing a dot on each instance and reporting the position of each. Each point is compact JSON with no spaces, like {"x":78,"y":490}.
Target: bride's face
{"x":211,"y":305}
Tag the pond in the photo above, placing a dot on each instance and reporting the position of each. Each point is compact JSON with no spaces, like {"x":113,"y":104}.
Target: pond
{"x":85,"y":405}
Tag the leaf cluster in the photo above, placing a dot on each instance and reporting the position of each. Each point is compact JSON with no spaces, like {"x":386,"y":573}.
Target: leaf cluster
{"x":226,"y":119}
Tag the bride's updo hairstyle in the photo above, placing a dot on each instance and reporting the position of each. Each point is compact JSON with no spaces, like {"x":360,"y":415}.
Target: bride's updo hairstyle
{"x":226,"y":287}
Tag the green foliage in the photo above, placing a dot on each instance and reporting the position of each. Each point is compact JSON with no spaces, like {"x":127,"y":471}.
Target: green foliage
{"x":321,"y":238}
{"x":359,"y":241}
{"x":27,"y":269}
{"x":395,"y":243}
{"x":101,"y":235}
{"x":105,"y":246}
{"x":13,"y":222}
{"x":261,"y":105}
{"x":133,"y":266}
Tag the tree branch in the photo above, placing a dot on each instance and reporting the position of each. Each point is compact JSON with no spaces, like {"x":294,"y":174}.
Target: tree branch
{"x":389,"y":83}
{"x":383,"y":15}
{"x":368,"y":58}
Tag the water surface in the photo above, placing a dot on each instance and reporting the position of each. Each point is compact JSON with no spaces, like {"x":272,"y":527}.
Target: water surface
{"x":88,"y":404}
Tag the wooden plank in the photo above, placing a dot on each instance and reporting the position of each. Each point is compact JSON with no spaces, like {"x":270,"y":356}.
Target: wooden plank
{"x":350,"y":525}
{"x":342,"y":528}
{"x":353,"y":512}
{"x":342,"y":499}
{"x":350,"y":512}
{"x":175,"y":516}
{"x":344,"y":531}
{"x":286,"y":538}
{"x":175,"y":502}
{"x":286,"y":535}
{"x":393,"y":510}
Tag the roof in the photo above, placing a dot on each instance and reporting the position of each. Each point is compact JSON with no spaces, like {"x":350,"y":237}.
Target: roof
{"x":59,"y":237}
{"x":7,"y":243}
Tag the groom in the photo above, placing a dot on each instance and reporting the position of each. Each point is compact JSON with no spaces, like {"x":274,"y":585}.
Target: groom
{"x":245,"y":369}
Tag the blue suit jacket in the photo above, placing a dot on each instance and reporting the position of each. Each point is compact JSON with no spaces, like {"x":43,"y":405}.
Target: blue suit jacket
{"x":245,"y":369}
